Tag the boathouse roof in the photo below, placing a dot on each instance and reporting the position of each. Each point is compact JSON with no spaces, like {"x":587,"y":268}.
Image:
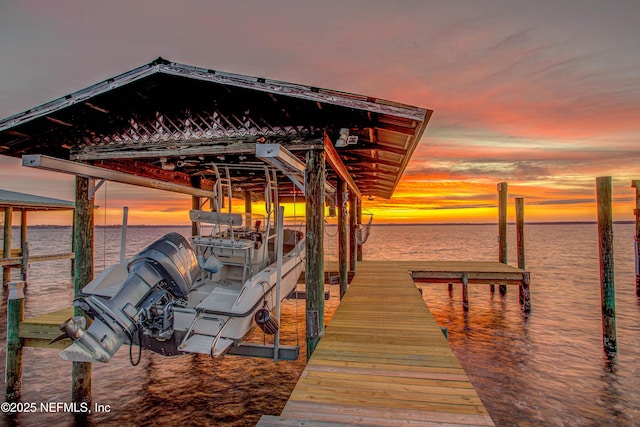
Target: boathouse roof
{"x":30,"y":202}
{"x":171,"y":122}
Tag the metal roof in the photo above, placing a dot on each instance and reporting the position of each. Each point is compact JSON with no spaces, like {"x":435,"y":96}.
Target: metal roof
{"x":172,"y":121}
{"x":29,"y":202}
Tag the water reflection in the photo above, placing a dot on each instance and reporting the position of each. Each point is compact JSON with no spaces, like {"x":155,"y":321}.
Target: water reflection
{"x":545,"y":369}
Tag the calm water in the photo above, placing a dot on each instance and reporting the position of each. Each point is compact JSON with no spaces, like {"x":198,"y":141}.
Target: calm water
{"x":544,"y":369}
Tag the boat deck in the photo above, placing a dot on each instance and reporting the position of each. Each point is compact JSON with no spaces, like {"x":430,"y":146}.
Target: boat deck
{"x":384,"y":360}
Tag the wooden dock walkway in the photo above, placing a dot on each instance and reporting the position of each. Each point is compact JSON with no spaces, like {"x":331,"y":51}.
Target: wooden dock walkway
{"x":383,"y":361}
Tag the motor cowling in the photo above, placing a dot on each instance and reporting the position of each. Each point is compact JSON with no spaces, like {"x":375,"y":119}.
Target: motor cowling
{"x":140,"y":304}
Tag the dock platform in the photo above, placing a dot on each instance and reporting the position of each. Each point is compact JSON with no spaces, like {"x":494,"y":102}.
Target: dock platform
{"x":383,"y":361}
{"x":38,"y":331}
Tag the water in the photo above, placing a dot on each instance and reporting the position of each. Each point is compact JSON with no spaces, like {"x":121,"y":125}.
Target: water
{"x":545,"y":369}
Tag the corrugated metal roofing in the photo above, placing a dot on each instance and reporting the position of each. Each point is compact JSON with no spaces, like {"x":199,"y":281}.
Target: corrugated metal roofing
{"x":22,"y":201}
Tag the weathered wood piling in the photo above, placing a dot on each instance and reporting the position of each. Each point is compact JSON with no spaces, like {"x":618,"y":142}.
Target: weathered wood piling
{"x":83,"y":243}
{"x":502,"y":227}
{"x":314,"y":264}
{"x":636,"y":184}
{"x":15,"y":315}
{"x":6,"y":243}
{"x":343,"y":241}
{"x":524,"y":293}
{"x":605,"y":246}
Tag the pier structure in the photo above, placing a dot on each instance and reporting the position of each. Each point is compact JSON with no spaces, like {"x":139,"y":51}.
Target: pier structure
{"x":384,"y":364}
{"x":173,"y":126}
{"x":13,"y":202}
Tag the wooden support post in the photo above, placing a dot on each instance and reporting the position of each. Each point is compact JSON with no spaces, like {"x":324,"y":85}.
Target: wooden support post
{"x":25,"y":262}
{"x":6,"y":247}
{"x":636,"y":184}
{"x":83,"y":262}
{"x":314,"y":262}
{"x":607,"y":284}
{"x":248,"y":207}
{"x":502,"y":227}
{"x":465,"y":292}
{"x":519,"y":201}
{"x":23,"y":226}
{"x":343,"y":272}
{"x":23,"y":244}
{"x":15,"y":315}
{"x":359,"y":226}
{"x":195,"y":203}
{"x":353,"y":233}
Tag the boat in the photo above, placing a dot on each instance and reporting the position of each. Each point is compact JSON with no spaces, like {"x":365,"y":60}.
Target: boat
{"x":198,"y":295}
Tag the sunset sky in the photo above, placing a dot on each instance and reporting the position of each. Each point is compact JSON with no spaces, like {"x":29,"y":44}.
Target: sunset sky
{"x":544,"y":95}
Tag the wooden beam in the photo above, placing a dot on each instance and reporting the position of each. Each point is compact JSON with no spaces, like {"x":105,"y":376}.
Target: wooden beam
{"x":79,"y":169}
{"x":378,"y":147}
{"x":202,"y":147}
{"x":314,"y":263}
{"x":366,"y":162}
{"x":141,"y":152}
{"x":403,"y":130}
{"x":336,"y":164}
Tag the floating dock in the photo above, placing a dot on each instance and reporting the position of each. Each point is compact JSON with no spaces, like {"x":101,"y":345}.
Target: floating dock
{"x":384,"y":360}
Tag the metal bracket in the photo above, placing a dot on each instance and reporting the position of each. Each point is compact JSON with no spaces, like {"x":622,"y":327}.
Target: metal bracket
{"x":95,"y":187}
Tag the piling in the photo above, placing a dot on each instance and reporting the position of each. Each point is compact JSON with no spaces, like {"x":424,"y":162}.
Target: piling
{"x":353,"y":232}
{"x":83,"y":263}
{"x":465,"y":292}
{"x":6,"y":248}
{"x":607,"y":284}
{"x":359,"y":226}
{"x":343,"y":272}
{"x":314,"y":260}
{"x":636,"y":184}
{"x":26,"y":248}
{"x":524,"y":293}
{"x":15,"y":315}
{"x":502,"y":227}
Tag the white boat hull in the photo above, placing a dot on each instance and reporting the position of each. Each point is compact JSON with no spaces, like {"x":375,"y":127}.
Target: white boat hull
{"x":165,"y":302}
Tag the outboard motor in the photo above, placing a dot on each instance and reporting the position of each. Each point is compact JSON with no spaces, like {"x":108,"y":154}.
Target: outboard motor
{"x":139,"y":303}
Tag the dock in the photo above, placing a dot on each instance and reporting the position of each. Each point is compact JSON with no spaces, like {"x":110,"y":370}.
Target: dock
{"x":384,"y":360}
{"x":39,"y":330}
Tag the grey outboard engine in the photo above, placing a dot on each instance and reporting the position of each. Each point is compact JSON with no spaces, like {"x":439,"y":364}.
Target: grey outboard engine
{"x":140,"y":303}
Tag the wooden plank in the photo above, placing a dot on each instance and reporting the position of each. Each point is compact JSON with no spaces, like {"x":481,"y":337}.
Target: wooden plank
{"x":384,"y":364}
{"x":39,"y":330}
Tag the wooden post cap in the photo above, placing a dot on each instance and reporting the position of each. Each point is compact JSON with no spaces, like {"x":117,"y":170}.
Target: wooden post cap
{"x":16,"y":290}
